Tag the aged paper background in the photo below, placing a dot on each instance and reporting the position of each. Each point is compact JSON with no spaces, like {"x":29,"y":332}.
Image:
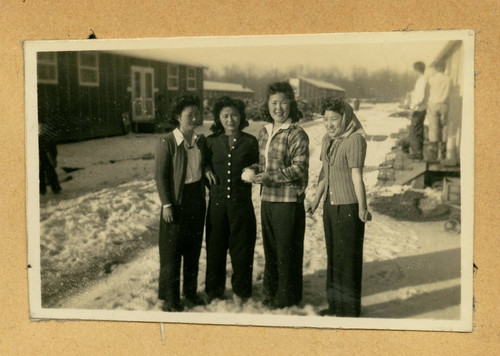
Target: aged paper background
{"x":29,"y":20}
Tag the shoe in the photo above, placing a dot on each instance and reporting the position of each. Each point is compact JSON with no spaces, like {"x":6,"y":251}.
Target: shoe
{"x":211,"y":298}
{"x":274,"y":305}
{"x":195,"y":300}
{"x":327,"y":312}
{"x":268,"y":302}
{"x":167,"y":307}
{"x":239,"y":300}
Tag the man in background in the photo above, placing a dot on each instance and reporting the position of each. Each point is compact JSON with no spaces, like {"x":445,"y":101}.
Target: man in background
{"x":47,"y":151}
{"x":418,"y":105}
{"x":439,"y":88}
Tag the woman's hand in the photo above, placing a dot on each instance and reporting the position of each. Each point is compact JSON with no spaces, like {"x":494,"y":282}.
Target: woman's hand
{"x":248,"y":175}
{"x":263,"y":178}
{"x":311,"y":207}
{"x":168,"y":214}
{"x":211,"y":177}
{"x":364,"y":216}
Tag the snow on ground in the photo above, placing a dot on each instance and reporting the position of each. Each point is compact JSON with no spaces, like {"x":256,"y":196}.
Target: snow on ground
{"x":94,"y":232}
{"x":410,"y":269}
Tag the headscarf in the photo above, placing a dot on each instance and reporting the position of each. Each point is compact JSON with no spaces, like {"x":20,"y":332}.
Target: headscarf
{"x":350,"y":125}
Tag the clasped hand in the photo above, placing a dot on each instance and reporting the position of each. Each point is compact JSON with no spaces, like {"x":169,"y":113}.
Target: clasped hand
{"x":263,"y":178}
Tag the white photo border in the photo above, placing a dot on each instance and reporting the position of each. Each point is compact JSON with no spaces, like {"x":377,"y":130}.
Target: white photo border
{"x":464,"y":324}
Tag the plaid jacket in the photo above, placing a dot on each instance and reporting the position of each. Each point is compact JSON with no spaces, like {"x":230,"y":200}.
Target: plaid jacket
{"x":287,"y":163}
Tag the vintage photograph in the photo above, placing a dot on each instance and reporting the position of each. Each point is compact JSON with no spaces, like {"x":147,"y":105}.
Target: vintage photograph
{"x":297,"y":180}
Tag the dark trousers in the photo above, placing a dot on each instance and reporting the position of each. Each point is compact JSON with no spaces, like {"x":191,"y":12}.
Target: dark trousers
{"x":416,"y":135}
{"x":283,"y":227}
{"x":182,"y":239}
{"x":47,"y":171}
{"x":344,"y":234}
{"x":231,"y":226}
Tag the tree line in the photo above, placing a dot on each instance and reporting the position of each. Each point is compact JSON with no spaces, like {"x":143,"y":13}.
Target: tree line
{"x":382,"y":84}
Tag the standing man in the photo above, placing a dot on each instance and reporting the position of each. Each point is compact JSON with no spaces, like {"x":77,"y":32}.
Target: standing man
{"x":418,"y":105}
{"x":439,"y":88}
{"x":47,"y":150}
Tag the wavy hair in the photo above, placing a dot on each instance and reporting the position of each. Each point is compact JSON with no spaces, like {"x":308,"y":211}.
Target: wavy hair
{"x":181,"y":103}
{"x":227,"y":102}
{"x":284,"y":88}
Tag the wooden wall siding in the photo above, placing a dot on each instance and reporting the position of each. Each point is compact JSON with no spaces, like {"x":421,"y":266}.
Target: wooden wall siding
{"x":83,"y":112}
{"x":315,"y":95}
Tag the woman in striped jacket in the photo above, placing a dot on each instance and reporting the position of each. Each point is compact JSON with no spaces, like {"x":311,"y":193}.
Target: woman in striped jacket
{"x":345,"y":210}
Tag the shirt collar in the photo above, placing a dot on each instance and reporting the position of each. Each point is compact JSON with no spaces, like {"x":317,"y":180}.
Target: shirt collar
{"x":179,"y":137}
{"x":284,"y":126}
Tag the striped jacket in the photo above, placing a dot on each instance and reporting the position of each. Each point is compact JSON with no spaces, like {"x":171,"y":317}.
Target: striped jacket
{"x":350,"y":154}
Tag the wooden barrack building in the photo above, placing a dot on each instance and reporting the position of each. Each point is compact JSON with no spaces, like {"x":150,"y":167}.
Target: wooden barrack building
{"x":90,"y":94}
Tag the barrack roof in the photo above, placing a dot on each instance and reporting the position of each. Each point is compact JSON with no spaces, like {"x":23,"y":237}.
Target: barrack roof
{"x":221,"y":86}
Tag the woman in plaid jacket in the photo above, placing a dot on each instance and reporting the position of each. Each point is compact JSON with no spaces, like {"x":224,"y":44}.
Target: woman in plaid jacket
{"x":283,"y":173}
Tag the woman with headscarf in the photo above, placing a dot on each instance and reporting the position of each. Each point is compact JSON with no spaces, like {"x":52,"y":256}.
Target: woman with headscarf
{"x":345,"y":211}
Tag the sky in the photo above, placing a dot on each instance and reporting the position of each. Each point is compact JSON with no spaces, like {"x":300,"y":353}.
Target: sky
{"x":398,"y":56}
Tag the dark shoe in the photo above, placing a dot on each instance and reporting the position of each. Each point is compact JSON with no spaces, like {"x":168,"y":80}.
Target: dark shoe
{"x":268,"y":302}
{"x":239,"y":300}
{"x":167,"y":307}
{"x":195,"y":301}
{"x":274,"y":305}
{"x":214,"y":297}
{"x":327,"y":312}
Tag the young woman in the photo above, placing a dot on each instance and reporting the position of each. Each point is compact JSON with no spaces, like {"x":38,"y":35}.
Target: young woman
{"x":231,"y":223}
{"x":179,"y":169}
{"x":283,"y":167}
{"x":344,"y":211}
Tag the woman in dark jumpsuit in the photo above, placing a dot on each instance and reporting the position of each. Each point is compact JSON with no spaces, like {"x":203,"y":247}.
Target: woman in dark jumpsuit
{"x":231,"y":223}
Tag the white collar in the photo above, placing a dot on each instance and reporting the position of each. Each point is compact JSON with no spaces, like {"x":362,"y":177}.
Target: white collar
{"x":179,"y":137}
{"x":284,"y":126}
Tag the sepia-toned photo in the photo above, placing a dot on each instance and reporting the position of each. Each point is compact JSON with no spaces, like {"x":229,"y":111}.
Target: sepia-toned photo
{"x":298,"y":180}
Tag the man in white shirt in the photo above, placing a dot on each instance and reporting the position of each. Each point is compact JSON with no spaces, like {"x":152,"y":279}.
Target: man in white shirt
{"x":439,"y":88}
{"x":418,"y":106}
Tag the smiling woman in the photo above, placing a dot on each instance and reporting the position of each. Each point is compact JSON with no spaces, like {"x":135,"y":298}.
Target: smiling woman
{"x":283,"y":173}
{"x":345,"y":211}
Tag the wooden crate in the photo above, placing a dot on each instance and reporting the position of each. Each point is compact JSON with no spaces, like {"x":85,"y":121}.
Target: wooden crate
{"x":386,"y":173}
{"x":451,"y":190}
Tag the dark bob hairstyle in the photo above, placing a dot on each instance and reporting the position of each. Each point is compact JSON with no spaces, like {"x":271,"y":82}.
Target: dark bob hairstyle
{"x":419,"y":67}
{"x":285,"y":88}
{"x":226,"y":102}
{"x":181,"y":103}
{"x":333,"y":103}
